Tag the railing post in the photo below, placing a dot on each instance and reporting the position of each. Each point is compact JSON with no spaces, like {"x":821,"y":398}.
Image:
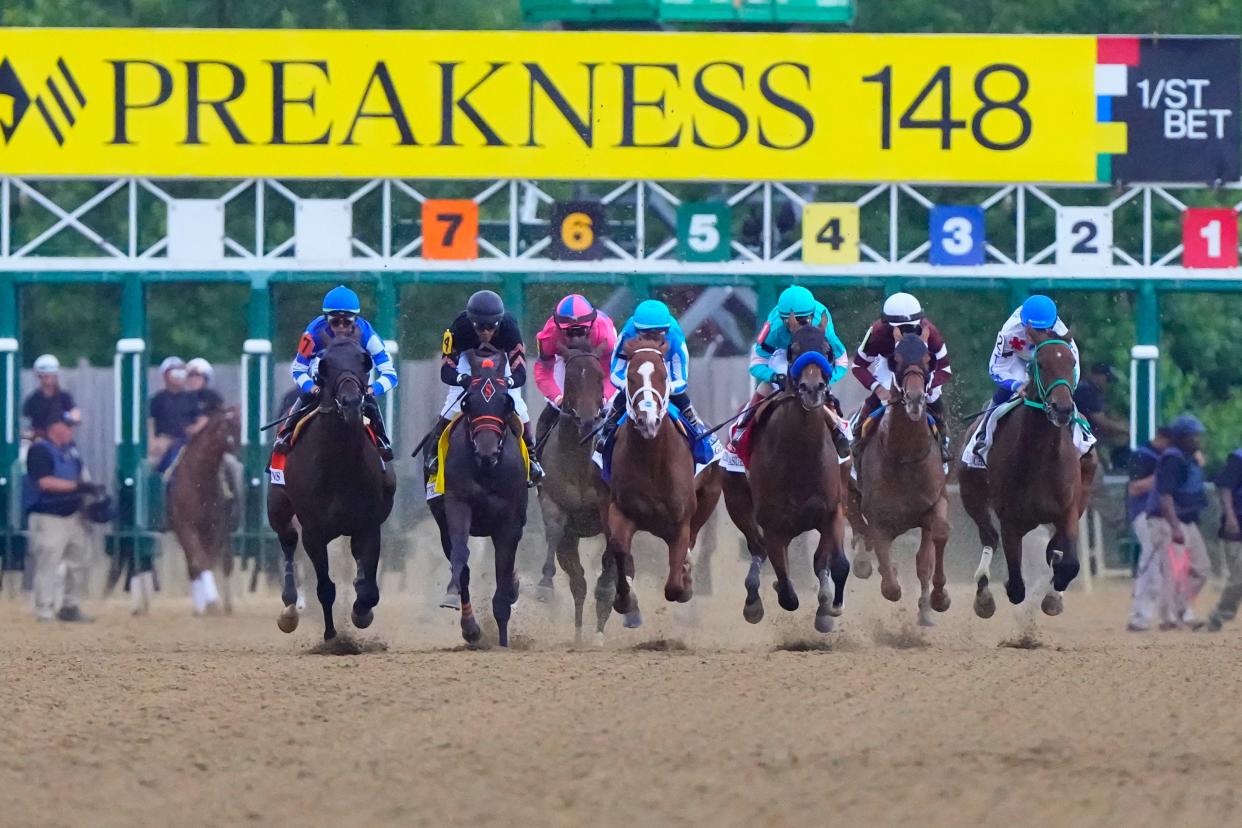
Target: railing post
{"x":129,"y":367}
{"x":10,"y":376}
{"x":256,"y":398}
{"x":1144,"y":390}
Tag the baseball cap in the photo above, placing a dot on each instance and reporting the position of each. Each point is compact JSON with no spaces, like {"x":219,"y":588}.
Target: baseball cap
{"x":170,"y":363}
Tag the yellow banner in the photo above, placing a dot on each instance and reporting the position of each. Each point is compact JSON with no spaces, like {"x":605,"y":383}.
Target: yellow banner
{"x":550,"y":105}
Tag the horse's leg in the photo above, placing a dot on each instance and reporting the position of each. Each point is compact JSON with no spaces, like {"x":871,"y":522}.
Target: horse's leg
{"x":317,"y":551}
{"x":554,"y":523}
{"x":838,"y":562}
{"x":1062,"y":554}
{"x":778,"y":553}
{"x":974,"y":491}
{"x":708,"y":491}
{"x":678,"y":586}
{"x":471,"y":632}
{"x":452,"y":596}
{"x":194,"y":557}
{"x":571,"y":565}
{"x":605,"y":593}
{"x":863,"y":553}
{"x":280,"y":518}
{"x":828,"y":562}
{"x":505,"y":546}
{"x":741,"y":508}
{"x":457,"y":517}
{"x":938,"y":525}
{"x":620,"y":535}
{"x":923,"y":564}
{"x":366,"y":551}
{"x":880,"y":542}
{"x":1011,"y":539}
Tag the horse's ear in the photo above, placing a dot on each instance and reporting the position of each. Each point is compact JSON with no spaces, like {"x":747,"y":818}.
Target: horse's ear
{"x":602,"y":350}
{"x":925,"y":335}
{"x":562,"y":351}
{"x":823,"y":323}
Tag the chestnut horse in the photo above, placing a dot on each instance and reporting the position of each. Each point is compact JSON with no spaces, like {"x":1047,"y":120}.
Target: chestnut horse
{"x":793,"y":485}
{"x":902,"y":482}
{"x":653,"y":486}
{"x":1034,"y":476}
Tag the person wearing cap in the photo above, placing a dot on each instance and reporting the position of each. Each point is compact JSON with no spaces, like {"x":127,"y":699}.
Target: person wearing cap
{"x":171,"y":411}
{"x":1148,"y":573}
{"x":53,"y":491}
{"x":1091,"y":400}
{"x":49,"y":402}
{"x":207,"y":400}
{"x":1229,"y":490}
{"x":575,"y":322}
{"x":1177,"y":498}
{"x":341,"y":317}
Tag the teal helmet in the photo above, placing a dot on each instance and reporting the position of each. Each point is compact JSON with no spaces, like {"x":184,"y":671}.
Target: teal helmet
{"x":795,"y":301}
{"x":652,"y":315}
{"x":341,"y":300}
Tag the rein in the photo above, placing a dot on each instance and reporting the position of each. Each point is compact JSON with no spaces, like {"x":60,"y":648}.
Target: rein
{"x":1041,"y":404}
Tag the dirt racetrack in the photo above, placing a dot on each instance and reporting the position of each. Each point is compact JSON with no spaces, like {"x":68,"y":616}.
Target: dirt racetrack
{"x":170,"y":720}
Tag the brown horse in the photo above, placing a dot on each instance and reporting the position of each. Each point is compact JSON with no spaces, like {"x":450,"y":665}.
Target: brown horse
{"x":200,"y":508}
{"x":794,"y":486}
{"x":902,"y":482}
{"x":1034,"y":476}
{"x":571,"y":502}
{"x":653,"y":487}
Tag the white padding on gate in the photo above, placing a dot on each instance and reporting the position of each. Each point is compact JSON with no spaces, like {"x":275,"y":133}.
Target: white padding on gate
{"x":322,"y":228}
{"x":196,"y":229}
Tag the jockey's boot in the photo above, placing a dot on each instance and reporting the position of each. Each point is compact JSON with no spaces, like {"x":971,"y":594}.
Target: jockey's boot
{"x":688,"y":415}
{"x":371,"y":410}
{"x":536,"y":470}
{"x":431,"y":449}
{"x":547,"y":421}
{"x":611,"y":422}
{"x":284,"y":435}
{"x":841,"y":442}
{"x":942,"y":437}
{"x":748,"y":414}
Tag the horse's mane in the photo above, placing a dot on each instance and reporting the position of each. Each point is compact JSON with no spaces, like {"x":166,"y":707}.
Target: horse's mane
{"x":645,"y":340}
{"x":809,"y":338}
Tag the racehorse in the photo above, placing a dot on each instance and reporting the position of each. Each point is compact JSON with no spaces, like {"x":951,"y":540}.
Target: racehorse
{"x":653,"y":486}
{"x":794,"y":486}
{"x":201,"y":507}
{"x":902,"y":482}
{"x":1034,"y":476}
{"x":572,"y":505}
{"x":336,"y":485}
{"x":485,"y":495}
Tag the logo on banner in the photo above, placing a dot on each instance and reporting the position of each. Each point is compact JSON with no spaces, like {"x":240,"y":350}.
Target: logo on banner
{"x":57,"y":103}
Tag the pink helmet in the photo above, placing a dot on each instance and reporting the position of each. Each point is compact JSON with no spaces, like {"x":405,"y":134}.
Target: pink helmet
{"x":574,"y":310}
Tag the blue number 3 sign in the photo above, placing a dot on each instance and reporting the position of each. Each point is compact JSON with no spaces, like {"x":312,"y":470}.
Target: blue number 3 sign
{"x":957,"y":236}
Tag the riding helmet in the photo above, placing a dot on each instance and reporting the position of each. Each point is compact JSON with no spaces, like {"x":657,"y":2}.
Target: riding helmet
{"x":902,"y":309}
{"x":47,"y":364}
{"x":341,"y":300}
{"x":1039,"y":312}
{"x":485,"y":308}
{"x":795,"y":301}
{"x":574,"y":310}
{"x":652,"y":315}
{"x":200,"y":366}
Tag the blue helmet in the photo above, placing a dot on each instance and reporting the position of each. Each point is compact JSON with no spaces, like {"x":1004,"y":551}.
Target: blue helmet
{"x":651,"y":315}
{"x":795,"y":301}
{"x":1186,"y":425}
{"x":1039,"y":312}
{"x":341,"y":300}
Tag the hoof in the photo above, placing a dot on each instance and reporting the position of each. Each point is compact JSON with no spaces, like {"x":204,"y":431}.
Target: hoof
{"x":925,"y":616}
{"x":1016,"y":593}
{"x":891,"y":590}
{"x":328,"y":635}
{"x":288,"y":620}
{"x":451,"y":600}
{"x":940,"y":600}
{"x":862,"y":568}
{"x":633,"y":620}
{"x":678,"y":595}
{"x":787,"y":598}
{"x":362,"y":620}
{"x":985,"y":604}
{"x":752,"y":611}
{"x":470,"y":630}
{"x":546,"y":582}
{"x":599,"y":639}
{"x":544,"y":594}
{"x":1052,"y":604}
{"x":824,"y":623}
{"x":301,"y":604}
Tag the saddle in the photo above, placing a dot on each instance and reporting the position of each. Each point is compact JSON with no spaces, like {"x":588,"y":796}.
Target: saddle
{"x":704,"y":450}
{"x":276,"y":463}
{"x":435,"y":483}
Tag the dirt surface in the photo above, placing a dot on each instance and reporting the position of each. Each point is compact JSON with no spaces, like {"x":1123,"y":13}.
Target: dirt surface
{"x":696,"y":719}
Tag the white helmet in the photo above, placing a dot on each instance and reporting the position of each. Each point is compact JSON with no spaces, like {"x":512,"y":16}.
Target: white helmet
{"x":170,"y":364}
{"x":47,"y":364}
{"x":198,"y":365}
{"x":902,"y":309}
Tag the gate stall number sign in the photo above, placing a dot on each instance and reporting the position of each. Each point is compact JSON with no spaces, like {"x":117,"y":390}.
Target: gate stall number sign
{"x":577,"y":231}
{"x":1084,"y":236}
{"x":830,"y":233}
{"x":1210,"y":237}
{"x":450,"y":229}
{"x":704,"y":233}
{"x":957,"y":236}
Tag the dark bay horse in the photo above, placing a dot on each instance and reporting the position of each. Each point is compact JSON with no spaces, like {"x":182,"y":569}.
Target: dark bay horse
{"x":485,"y":492}
{"x":201,"y":508}
{"x":653,"y":486}
{"x":570,"y":498}
{"x":794,"y":486}
{"x":335,"y":485}
{"x":902,"y":482}
{"x":1034,"y":476}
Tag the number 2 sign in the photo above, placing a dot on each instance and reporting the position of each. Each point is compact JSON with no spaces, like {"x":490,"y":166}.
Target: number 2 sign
{"x":1209,"y":237}
{"x":1084,"y":236}
{"x":957,"y":236}
{"x":450,"y":229}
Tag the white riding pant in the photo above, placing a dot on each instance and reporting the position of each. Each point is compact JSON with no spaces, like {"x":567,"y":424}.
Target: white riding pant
{"x":452,"y":401}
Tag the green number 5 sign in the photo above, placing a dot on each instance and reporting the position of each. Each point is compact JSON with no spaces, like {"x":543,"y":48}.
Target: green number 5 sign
{"x":704,"y":232}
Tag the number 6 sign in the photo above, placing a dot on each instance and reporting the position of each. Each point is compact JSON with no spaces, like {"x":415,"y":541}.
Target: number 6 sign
{"x":577,"y":230}
{"x":1209,"y":237}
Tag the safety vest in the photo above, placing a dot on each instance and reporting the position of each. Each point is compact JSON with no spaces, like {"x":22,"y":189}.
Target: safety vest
{"x":67,"y":465}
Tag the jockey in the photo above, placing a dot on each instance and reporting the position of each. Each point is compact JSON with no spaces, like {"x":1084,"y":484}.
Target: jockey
{"x":484,"y":321}
{"x":902,"y":315}
{"x":575,"y":322}
{"x":341,"y":309}
{"x":652,"y":317}
{"x":769,"y":359}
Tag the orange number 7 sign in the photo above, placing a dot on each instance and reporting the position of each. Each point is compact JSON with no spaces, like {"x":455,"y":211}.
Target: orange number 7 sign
{"x":450,"y":229}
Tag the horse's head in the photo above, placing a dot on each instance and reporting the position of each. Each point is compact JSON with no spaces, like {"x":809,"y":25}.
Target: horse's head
{"x":584,"y":386}
{"x":1054,"y":374}
{"x":810,"y":366}
{"x":487,"y":404}
{"x":646,"y":383}
{"x":345,"y":373}
{"x":911,"y":364}
{"x":223,"y":430}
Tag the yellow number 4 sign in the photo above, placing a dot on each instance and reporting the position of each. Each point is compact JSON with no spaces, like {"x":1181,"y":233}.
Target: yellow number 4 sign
{"x":830,"y":233}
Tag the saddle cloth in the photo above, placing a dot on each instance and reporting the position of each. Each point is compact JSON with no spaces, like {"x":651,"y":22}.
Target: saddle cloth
{"x":435,"y":483}
{"x":706,"y":450}
{"x":975,"y":454}
{"x":276,"y":463}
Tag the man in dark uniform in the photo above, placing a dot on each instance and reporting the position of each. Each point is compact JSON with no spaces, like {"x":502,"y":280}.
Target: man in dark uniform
{"x":1090,"y":397}
{"x":483,"y":321}
{"x":49,"y":402}
{"x":172,"y":410}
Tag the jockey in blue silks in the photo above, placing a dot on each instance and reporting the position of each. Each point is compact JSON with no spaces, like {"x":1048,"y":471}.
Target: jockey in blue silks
{"x":341,"y":318}
{"x":652,"y":318}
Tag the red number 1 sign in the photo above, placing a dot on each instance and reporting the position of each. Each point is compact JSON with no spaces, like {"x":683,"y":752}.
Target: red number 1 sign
{"x":1210,"y":237}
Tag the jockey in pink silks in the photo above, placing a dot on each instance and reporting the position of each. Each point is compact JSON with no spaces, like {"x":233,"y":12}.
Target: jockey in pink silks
{"x":575,"y":323}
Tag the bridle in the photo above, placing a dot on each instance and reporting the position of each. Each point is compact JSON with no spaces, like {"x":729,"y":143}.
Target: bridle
{"x":345,"y":377}
{"x":1044,"y":390}
{"x":646,"y":398}
{"x":912,"y":368}
{"x":478,"y":423}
